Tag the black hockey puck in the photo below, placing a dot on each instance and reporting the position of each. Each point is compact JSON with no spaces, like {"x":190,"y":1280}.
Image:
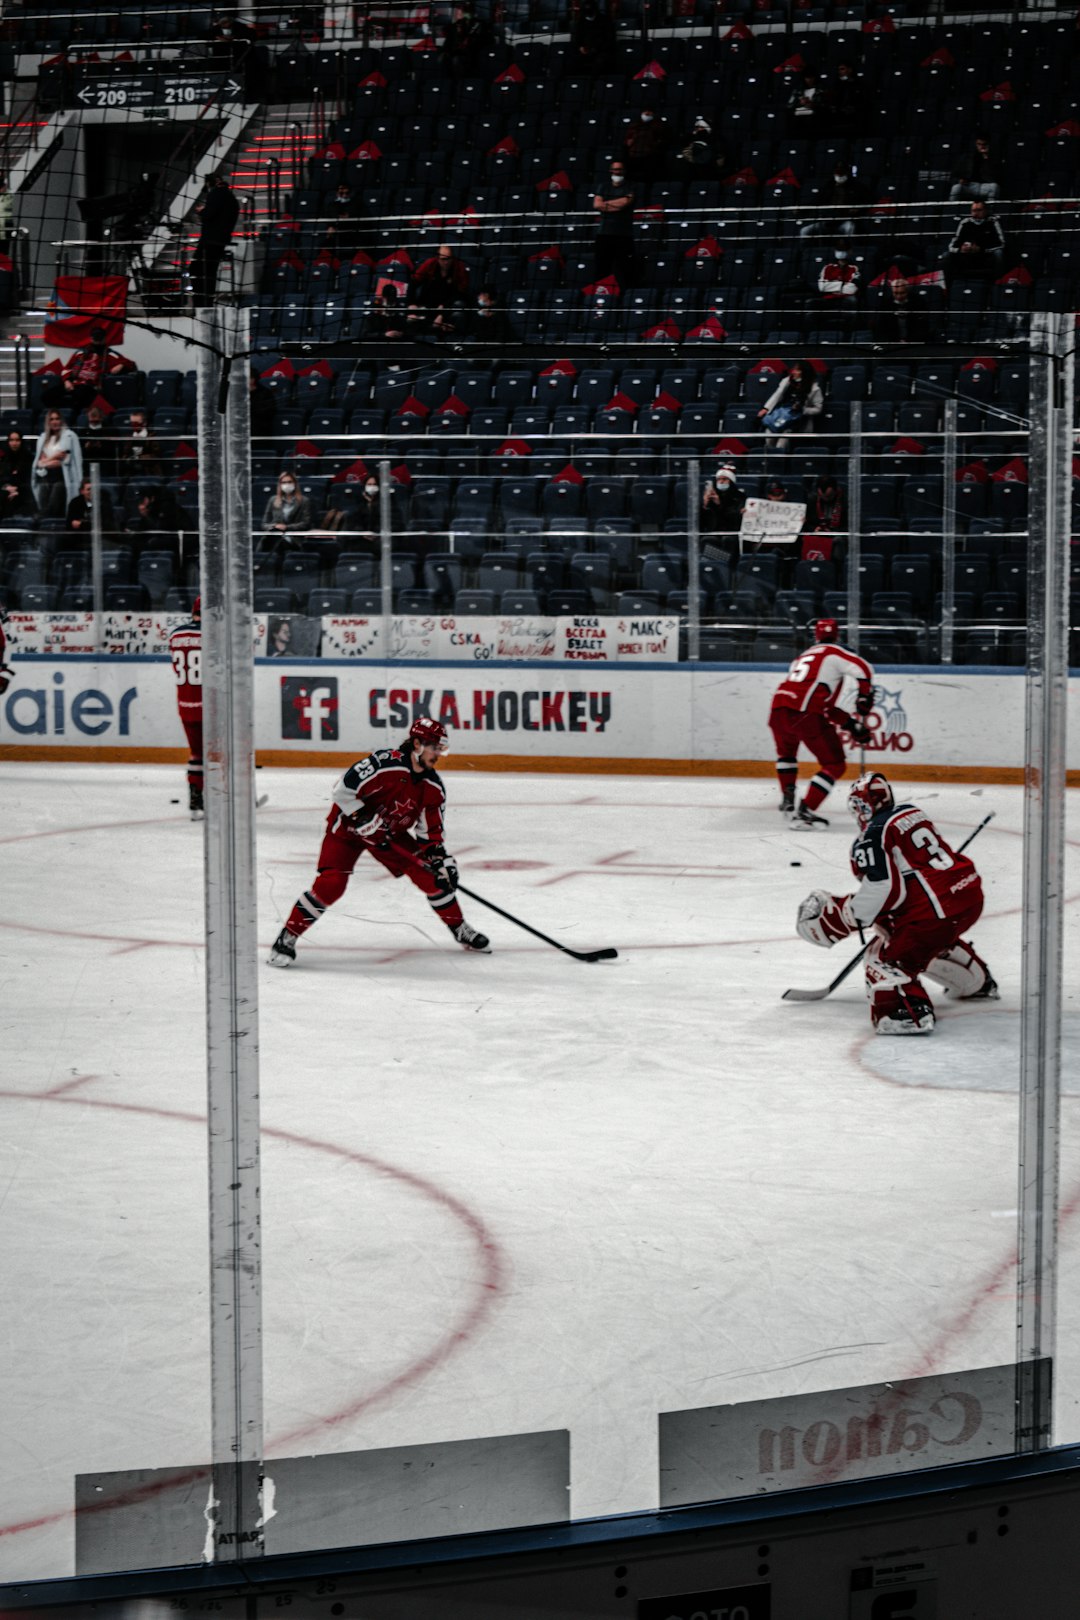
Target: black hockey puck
{"x":174,"y":801}
{"x":796,"y":863}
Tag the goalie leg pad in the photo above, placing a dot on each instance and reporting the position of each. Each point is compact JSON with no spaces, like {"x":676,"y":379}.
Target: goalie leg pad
{"x":898,"y":1004}
{"x":963,"y":973}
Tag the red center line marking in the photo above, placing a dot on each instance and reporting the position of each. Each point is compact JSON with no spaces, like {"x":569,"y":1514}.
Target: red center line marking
{"x":485,"y":1291}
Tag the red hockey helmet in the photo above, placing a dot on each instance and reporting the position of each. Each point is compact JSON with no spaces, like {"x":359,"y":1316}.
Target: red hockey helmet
{"x":196,"y":608}
{"x":826,"y":630}
{"x":869,"y":794}
{"x":428,"y":733}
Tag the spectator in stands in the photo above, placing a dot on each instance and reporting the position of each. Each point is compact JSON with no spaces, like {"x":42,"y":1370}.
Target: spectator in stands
{"x":842,"y":193}
{"x":97,"y":442}
{"x":904,"y":313}
{"x":700,"y":151}
{"x":83,"y":374}
{"x":80,"y":512}
{"x":977,"y":249}
{"x":287,"y":514}
{"x":792,"y":407}
{"x":806,"y":107}
{"x":343,"y":232}
{"x":385,"y":321}
{"x":368,"y":512}
{"x":839,"y":281}
{"x":279,"y":638}
{"x":614,"y":202}
{"x":139,"y":454}
{"x":441,"y":285}
{"x":977,"y":175}
{"x":827,"y":509}
{"x":489,"y":324}
{"x":57,"y":466}
{"x":646,"y":142}
{"x":262,"y":408}
{"x":232,"y":47}
{"x":846,"y":108}
{"x":220,"y":211}
{"x":592,"y":39}
{"x":722,"y":503}
{"x":16,"y":468}
{"x":467,"y":40}
{"x":151,"y":518}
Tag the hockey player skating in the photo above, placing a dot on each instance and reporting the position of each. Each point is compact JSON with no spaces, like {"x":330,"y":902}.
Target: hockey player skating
{"x":827,"y":689}
{"x":376,"y":802}
{"x":185,"y":650}
{"x":919,"y":896}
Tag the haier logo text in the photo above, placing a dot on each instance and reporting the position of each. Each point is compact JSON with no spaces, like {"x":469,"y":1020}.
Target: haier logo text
{"x":56,"y":711}
{"x":309,"y":708}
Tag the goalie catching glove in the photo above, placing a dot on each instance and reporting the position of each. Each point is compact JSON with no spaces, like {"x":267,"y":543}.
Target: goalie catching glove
{"x":825,"y":918}
{"x":442,"y":866}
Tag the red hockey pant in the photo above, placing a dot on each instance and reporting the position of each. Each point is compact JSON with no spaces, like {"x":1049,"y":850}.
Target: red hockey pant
{"x":193,"y":732}
{"x":337,"y":857}
{"x":919,"y":934}
{"x":790,"y":727}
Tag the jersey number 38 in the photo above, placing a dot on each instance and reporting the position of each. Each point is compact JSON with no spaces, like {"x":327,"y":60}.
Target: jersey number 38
{"x":187,"y":662}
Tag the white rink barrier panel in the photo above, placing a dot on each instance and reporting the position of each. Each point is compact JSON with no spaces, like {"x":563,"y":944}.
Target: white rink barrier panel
{"x":711,"y":718}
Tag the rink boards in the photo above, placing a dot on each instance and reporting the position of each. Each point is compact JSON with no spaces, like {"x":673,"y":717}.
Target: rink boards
{"x":954,"y":722}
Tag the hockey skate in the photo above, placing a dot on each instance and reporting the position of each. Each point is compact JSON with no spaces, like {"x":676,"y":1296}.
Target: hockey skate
{"x":910,"y":1013}
{"x":989,"y":992}
{"x":470,"y":938}
{"x":195,"y":803}
{"x":802,"y":817}
{"x":787,"y":803}
{"x":283,"y":950}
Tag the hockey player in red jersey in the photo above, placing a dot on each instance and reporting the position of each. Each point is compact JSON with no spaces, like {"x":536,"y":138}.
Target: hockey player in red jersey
{"x":827,"y":689}
{"x":919,"y":896}
{"x":7,"y":674}
{"x":185,"y":650}
{"x":376,"y":803}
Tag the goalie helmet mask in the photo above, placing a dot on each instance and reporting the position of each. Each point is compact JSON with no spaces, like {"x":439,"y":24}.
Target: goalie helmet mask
{"x":868,"y":795}
{"x":826,"y":630}
{"x":428,"y":733}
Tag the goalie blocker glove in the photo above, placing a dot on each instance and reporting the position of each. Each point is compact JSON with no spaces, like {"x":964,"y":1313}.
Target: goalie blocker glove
{"x":823,"y":919}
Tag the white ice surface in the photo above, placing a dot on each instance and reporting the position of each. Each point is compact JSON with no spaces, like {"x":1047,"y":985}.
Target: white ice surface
{"x":501,"y":1193}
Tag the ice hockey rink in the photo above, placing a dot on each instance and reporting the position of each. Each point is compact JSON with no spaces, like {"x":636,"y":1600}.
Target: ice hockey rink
{"x":500,"y":1193}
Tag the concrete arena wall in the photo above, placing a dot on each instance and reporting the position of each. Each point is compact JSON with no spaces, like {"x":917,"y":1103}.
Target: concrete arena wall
{"x":952,"y":723}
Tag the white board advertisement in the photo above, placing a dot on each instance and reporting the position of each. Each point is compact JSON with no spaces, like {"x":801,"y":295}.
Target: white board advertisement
{"x":595,"y":712}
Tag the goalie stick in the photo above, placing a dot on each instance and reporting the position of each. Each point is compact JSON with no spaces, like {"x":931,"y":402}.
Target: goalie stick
{"x":820,"y":995}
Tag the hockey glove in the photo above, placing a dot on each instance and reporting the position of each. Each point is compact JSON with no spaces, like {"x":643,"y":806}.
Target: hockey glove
{"x":859,"y":730}
{"x":6,"y":677}
{"x":825,"y":918}
{"x":864,"y":703}
{"x":442,"y":866}
{"x":368,"y":824}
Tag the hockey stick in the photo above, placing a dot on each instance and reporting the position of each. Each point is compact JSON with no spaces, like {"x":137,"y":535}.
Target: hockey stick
{"x":607,"y":954}
{"x":820,"y":995}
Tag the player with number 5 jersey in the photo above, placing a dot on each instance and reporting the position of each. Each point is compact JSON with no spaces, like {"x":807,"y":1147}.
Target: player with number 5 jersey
{"x":827,"y":690}
{"x":919,"y":896}
{"x":185,"y":650}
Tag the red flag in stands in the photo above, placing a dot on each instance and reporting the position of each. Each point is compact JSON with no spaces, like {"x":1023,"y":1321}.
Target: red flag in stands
{"x":86,"y":302}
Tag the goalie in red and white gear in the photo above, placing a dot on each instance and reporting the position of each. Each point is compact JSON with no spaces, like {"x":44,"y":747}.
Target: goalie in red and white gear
{"x":376,"y":804}
{"x":919,"y":896}
{"x":828,"y":689}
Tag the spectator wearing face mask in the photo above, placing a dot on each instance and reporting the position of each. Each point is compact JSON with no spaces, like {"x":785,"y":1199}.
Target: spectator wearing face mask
{"x":140,"y":451}
{"x":722,"y":503}
{"x":489,"y":324}
{"x":98,"y":443}
{"x":839,"y":280}
{"x":288,"y":513}
{"x":699,"y":150}
{"x":646,"y":143}
{"x":838,"y":204}
{"x":613,"y":202}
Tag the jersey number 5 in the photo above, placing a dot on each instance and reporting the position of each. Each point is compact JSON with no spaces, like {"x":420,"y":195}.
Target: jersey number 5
{"x":938,"y":858}
{"x":800,"y":667}
{"x":188,"y":666}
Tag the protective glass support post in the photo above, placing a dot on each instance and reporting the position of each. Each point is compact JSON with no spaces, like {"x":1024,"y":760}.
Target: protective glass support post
{"x":386,"y":558}
{"x":96,"y":565}
{"x":1052,"y":369}
{"x":693,"y":561}
{"x":233,"y":1507}
{"x":948,"y":533}
{"x":854,"y":556}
